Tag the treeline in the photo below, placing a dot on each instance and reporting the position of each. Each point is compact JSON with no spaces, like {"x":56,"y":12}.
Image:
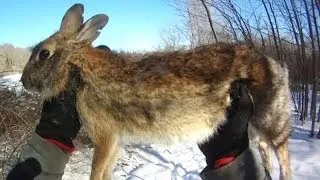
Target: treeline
{"x":13,"y":59}
{"x":287,"y":30}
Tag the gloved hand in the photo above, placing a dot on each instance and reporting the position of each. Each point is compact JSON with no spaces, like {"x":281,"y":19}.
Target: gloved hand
{"x":59,"y":124}
{"x":59,"y":121}
{"x":103,"y":47}
{"x":232,"y":137}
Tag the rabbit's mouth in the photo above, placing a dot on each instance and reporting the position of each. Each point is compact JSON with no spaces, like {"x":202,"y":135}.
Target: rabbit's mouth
{"x":30,"y":84}
{"x":26,"y":81}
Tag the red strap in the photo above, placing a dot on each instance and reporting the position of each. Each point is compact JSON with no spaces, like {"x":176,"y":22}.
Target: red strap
{"x":223,"y":161}
{"x":62,"y":146}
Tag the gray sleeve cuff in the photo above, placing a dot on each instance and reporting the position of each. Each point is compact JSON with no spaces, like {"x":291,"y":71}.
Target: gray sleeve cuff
{"x":51,"y":158}
{"x":245,"y":167}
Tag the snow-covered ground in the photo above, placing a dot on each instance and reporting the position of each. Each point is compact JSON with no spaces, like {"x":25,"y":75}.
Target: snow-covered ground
{"x":11,"y":82}
{"x":186,"y":161}
{"x":152,"y":162}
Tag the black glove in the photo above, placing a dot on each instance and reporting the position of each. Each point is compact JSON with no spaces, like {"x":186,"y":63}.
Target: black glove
{"x":59,"y":122}
{"x":103,"y":47}
{"x":232,"y":137}
{"x":59,"y":118}
{"x":27,"y":170}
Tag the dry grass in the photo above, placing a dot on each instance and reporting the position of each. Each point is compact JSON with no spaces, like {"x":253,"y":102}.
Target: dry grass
{"x":18,"y":114}
{"x":13,"y":58}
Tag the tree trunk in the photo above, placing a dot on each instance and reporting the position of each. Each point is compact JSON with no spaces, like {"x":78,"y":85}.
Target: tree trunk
{"x":318,"y":135}
{"x":314,"y":86}
{"x":299,"y":62}
{"x":259,"y":29}
{"x":241,"y":23}
{"x":306,"y":101}
{"x":277,"y":30}
{"x":272,"y":29}
{"x":318,"y":43}
{"x":228,"y":18}
{"x":305,"y":98}
{"x":319,"y":115}
{"x":302,"y":119}
{"x":299,"y":101}
{"x":209,"y":19}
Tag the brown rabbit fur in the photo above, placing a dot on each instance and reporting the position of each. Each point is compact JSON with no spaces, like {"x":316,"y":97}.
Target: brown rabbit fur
{"x":167,"y":97}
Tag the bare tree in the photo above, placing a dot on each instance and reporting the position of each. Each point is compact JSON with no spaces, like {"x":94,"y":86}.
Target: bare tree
{"x":314,"y":92}
{"x":228,"y":18}
{"x":8,"y":60}
{"x":209,"y":19}
{"x":259,"y":29}
{"x":317,"y":62}
{"x":242,"y":23}
{"x":318,"y":135}
{"x":272,"y":28}
{"x":304,"y":81}
{"x":283,"y":29}
{"x":170,"y":38}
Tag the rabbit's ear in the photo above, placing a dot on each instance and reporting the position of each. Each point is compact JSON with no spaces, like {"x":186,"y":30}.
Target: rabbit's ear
{"x":72,"y":20}
{"x":90,"y":30}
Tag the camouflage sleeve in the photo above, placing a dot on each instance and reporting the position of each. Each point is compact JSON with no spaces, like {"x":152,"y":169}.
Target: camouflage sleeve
{"x":40,"y":160}
{"x":246,"y":166}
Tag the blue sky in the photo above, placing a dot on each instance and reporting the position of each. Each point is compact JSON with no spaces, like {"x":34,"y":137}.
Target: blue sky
{"x":133,"y":24}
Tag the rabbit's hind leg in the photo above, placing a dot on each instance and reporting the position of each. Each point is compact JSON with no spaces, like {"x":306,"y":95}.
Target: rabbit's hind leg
{"x":263,"y":145}
{"x":282,"y":152}
{"x":105,"y":153}
{"x":108,"y":171}
{"x":265,"y":152}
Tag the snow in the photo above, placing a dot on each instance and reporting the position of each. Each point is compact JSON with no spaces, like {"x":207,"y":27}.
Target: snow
{"x":144,"y":162}
{"x":305,"y":153}
{"x":186,"y":161}
{"x":11,"y":82}
{"x":150,"y":162}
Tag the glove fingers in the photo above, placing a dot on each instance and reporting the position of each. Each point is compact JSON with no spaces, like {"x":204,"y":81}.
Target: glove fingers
{"x":27,"y":170}
{"x":232,"y":137}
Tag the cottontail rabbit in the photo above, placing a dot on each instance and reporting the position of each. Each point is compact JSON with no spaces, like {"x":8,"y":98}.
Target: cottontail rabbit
{"x":167,"y":97}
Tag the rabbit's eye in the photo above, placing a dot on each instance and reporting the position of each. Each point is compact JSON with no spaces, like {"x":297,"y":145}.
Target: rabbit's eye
{"x":44,"y":54}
